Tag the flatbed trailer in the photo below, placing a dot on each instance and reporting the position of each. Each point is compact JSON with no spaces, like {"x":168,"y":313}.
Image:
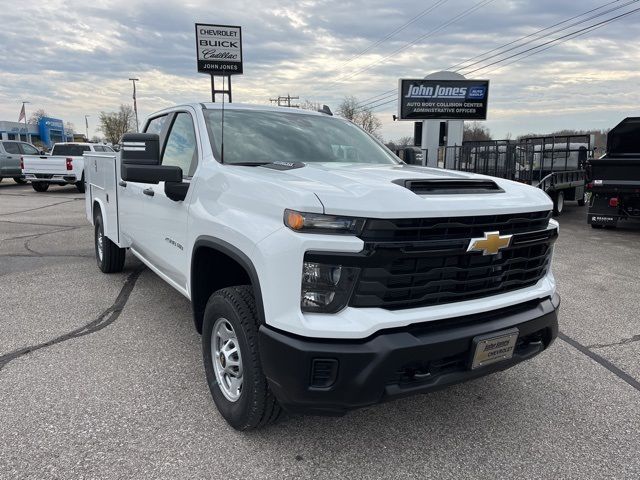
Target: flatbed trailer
{"x":555,"y":164}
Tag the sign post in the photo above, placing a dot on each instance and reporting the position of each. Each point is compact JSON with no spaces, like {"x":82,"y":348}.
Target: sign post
{"x":219,"y":52}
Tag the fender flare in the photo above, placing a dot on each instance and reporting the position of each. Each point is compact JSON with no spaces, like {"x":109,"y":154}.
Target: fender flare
{"x":237,"y":255}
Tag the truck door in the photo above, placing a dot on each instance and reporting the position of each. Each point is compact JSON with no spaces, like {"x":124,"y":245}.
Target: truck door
{"x":134,"y":220}
{"x":163,"y":242}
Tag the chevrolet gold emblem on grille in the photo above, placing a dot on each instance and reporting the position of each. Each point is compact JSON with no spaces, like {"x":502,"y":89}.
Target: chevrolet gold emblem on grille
{"x":491,"y":244}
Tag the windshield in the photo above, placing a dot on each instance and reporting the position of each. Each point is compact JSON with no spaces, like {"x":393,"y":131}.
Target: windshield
{"x":252,"y":136}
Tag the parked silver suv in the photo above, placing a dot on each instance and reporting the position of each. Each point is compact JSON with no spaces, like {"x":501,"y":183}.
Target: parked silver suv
{"x":10,"y":153}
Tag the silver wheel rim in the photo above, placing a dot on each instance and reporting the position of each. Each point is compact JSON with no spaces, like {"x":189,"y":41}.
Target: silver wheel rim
{"x":226,"y":358}
{"x":100,"y":241}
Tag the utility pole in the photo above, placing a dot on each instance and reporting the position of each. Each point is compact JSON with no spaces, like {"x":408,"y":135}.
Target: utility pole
{"x":135,"y":105}
{"x":86,"y":124}
{"x":283,"y":101}
{"x":26,"y":127}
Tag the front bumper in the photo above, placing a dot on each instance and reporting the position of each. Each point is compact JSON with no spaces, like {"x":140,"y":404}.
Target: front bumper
{"x":396,"y":362}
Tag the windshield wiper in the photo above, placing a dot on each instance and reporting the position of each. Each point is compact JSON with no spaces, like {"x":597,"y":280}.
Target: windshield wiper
{"x":248,"y":164}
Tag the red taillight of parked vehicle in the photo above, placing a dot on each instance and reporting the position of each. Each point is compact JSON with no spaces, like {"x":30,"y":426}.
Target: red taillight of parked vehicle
{"x":21,"y":163}
{"x":69,"y":164}
{"x":589,"y":185}
{"x":613,"y":202}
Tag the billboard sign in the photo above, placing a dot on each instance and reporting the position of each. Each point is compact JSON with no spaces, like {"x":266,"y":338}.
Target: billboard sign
{"x":219,"y":49}
{"x":443,"y":99}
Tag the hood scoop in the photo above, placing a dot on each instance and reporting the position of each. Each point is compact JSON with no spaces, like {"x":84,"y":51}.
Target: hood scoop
{"x":449,"y":186}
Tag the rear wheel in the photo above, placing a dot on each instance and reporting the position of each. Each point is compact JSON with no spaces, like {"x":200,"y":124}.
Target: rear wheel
{"x":581,"y":202}
{"x":558,"y":202}
{"x":109,"y":256}
{"x":232,"y":362}
{"x":40,"y":186}
{"x":19,"y":181}
{"x":80,"y":185}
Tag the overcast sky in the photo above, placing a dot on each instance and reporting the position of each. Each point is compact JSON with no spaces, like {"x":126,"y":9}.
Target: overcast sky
{"x":73,"y":57}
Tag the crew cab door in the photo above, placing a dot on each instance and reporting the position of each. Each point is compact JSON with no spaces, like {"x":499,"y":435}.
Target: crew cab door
{"x":161,"y":235}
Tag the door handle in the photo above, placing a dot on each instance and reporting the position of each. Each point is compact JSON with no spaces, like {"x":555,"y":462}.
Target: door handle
{"x":149,"y":191}
{"x":122,"y":183}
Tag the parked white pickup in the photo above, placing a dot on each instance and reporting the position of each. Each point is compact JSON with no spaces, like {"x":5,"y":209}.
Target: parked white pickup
{"x":64,"y":165}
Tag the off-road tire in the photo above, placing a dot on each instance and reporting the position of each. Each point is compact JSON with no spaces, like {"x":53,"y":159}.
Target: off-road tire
{"x":112,"y":259}
{"x":256,"y":407}
{"x":40,"y":186}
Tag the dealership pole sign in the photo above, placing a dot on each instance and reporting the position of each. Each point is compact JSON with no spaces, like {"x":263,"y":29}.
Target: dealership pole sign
{"x":423,"y":99}
{"x":219,"y":49}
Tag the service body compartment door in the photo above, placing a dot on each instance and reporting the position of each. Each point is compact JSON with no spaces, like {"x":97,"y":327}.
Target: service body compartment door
{"x":101,"y":174}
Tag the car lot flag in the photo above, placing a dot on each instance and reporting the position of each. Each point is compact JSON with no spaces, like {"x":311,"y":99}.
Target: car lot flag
{"x":23,"y":115}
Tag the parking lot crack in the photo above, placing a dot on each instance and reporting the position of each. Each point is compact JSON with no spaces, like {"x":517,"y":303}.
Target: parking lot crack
{"x":36,"y":208}
{"x":621,"y":374}
{"x":624,"y":341}
{"x":107,"y":317}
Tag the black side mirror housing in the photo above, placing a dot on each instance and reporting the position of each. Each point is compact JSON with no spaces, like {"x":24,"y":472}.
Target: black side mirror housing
{"x":42,"y":152}
{"x":140,"y":160}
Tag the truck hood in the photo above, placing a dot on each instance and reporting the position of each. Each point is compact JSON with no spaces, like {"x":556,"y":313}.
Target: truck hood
{"x":369,"y":190}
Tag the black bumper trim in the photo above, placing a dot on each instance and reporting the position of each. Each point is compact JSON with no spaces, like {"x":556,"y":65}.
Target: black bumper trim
{"x":371,"y":370}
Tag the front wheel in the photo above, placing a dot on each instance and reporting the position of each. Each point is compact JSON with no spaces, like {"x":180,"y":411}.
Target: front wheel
{"x":19,"y":180}
{"x":232,"y":362}
{"x":40,"y":186}
{"x":109,"y":256}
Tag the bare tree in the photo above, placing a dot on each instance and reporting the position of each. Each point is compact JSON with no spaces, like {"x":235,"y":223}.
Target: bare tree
{"x":406,"y":141}
{"x":475,"y":132}
{"x":35,"y":117}
{"x":363,"y":117}
{"x":309,"y":105}
{"x":116,"y":124}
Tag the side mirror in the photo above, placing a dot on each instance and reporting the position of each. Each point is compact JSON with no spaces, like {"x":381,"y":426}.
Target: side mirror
{"x":140,"y":160}
{"x":42,"y":152}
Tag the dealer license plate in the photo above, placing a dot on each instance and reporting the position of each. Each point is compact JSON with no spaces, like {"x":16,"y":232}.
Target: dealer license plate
{"x":494,"y":347}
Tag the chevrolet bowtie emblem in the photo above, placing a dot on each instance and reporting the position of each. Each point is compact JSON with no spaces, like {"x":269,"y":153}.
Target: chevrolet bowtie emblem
{"x":491,"y":244}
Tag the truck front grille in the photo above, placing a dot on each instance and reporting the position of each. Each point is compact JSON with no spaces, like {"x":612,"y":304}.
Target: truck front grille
{"x":424,"y":262}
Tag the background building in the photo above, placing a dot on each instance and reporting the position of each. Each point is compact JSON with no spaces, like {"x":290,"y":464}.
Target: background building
{"x":47,"y":132}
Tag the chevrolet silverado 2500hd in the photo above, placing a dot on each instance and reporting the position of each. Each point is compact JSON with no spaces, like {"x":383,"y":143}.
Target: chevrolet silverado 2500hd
{"x":324,"y":273}
{"x":64,"y":165}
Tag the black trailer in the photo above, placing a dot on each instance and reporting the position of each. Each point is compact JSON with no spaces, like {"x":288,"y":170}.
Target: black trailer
{"x":613,"y":181}
{"x":555,"y":164}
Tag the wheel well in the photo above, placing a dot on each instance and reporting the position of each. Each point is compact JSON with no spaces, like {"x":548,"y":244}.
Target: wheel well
{"x":213,"y":269}
{"x":96,"y":209}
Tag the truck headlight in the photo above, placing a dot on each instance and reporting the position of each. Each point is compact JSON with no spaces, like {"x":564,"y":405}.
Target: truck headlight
{"x":326,"y":288}
{"x":321,"y":223}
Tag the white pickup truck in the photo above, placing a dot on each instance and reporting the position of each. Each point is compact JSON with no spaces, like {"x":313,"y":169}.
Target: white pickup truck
{"x":64,"y":165}
{"x":320,"y":283}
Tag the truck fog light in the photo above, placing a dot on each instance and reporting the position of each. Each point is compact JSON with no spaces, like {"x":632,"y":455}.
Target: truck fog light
{"x":316,"y":273}
{"x":326,"y":288}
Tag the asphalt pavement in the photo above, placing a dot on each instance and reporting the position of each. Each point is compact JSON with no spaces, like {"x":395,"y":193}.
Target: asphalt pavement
{"x":101,"y":376}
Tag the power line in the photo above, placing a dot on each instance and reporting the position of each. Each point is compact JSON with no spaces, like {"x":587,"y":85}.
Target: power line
{"x":537,"y":49}
{"x":603,"y":22}
{"x":593,"y":17}
{"x":589,"y":30}
{"x":394,"y":32}
{"x":418,"y":39}
{"x":531,"y":34}
{"x":385,"y":95}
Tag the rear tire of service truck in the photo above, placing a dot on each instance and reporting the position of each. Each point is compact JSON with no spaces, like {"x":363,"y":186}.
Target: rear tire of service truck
{"x":558,"y":202}
{"x":232,"y":361}
{"x":109,"y":256}
{"x":40,"y":186}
